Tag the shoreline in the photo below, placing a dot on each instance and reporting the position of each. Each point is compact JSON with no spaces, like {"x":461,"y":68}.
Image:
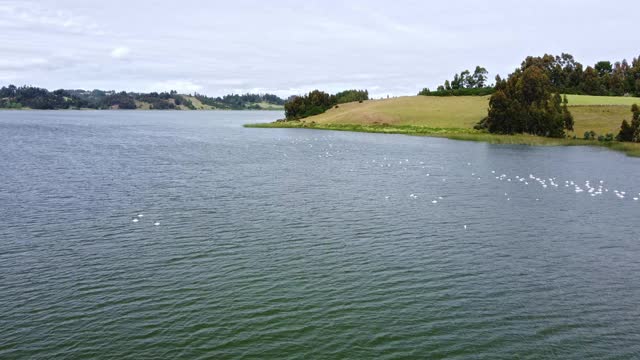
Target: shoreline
{"x":630,"y":149}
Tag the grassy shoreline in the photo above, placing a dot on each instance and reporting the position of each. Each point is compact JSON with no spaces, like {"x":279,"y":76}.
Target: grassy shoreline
{"x":630,"y":149}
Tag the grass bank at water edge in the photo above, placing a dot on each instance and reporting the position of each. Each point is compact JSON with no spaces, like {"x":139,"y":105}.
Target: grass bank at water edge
{"x":631,"y":149}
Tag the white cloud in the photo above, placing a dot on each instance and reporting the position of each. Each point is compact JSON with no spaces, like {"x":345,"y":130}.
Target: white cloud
{"x":32,"y":15}
{"x":14,"y":64}
{"x":181,"y":86}
{"x":399,"y":47}
{"x":120,"y":52}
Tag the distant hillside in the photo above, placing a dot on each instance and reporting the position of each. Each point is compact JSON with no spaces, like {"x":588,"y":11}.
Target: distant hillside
{"x":29,"y":97}
{"x":238,"y":102}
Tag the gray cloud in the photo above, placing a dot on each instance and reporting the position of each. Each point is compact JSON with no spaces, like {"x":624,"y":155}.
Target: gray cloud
{"x":290,"y":47}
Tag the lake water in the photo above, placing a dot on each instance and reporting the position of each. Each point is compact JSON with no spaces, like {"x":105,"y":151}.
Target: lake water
{"x":303,"y":244}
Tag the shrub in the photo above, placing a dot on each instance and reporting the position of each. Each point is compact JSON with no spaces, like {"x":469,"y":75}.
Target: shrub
{"x":589,"y":135}
{"x":626,"y":132}
{"x":631,"y":132}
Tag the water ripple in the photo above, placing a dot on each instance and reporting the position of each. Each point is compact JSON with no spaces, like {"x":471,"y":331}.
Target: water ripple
{"x":322,"y":253}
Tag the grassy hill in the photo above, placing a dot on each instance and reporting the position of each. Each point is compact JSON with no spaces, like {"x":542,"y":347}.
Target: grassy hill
{"x":429,"y":111}
{"x":455,"y":116}
{"x":197,"y":103}
{"x":601,"y":114}
{"x":579,"y":100}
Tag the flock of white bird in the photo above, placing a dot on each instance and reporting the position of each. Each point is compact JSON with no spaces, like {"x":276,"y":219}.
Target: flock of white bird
{"x":592,"y":190}
{"x":589,"y":188}
{"x":139,"y":217}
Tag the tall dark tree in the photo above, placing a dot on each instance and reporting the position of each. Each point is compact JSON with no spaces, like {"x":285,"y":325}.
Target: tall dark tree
{"x":479,"y":77}
{"x":635,"y":122}
{"x":626,"y":132}
{"x":603,"y":67}
{"x":566,"y":114}
{"x":527,"y":103}
{"x":591,"y":82}
{"x":630,"y":132}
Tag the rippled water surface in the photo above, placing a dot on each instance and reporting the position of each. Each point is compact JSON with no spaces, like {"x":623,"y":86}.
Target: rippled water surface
{"x":184,"y":235}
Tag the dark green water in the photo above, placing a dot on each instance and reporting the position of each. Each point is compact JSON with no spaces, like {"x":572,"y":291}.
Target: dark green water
{"x":301,"y":244}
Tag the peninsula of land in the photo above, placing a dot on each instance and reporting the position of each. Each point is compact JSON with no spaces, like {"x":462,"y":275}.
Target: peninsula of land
{"x":549,"y":100}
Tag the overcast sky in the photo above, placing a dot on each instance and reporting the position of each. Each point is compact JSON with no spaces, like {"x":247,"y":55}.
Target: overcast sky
{"x":290,"y":47}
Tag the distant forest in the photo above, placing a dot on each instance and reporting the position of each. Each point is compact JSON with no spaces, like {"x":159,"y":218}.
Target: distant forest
{"x":13,"y":97}
{"x":566,"y":75}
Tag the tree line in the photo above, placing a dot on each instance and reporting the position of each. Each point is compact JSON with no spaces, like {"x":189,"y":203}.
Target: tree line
{"x":603,"y":78}
{"x":568,"y":76}
{"x":529,"y":100}
{"x":32,"y":97}
{"x":316,"y":102}
{"x":463,"y":84}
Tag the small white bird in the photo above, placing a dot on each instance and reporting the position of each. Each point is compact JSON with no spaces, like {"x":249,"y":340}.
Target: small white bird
{"x":156,"y":223}
{"x":135,"y":220}
{"x":465,"y":227}
{"x":140,"y":215}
